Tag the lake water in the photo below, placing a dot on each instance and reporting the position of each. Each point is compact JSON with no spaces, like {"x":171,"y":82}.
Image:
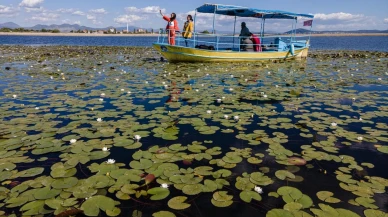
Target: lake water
{"x":312,"y":134}
{"x":369,"y":43}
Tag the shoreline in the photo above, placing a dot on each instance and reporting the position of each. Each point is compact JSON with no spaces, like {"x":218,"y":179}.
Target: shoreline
{"x":156,"y":35}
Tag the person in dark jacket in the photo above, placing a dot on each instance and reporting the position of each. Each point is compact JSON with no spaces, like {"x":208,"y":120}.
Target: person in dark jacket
{"x":244,"y":35}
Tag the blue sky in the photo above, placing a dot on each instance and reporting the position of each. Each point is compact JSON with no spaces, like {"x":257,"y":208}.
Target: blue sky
{"x":329,"y":14}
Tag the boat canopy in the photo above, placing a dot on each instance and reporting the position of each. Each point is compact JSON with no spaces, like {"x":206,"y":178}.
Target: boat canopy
{"x":231,"y":10}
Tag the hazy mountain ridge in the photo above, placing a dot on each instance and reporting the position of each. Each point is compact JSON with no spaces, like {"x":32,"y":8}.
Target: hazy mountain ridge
{"x":306,"y":31}
{"x":63,"y":27}
{"x":69,"y":27}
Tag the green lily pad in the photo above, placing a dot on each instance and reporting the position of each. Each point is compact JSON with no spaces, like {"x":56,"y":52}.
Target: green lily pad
{"x":163,"y":214}
{"x":247,"y":196}
{"x":178,"y":203}
{"x":283,"y":174}
{"x":93,"y":205}
{"x":158,"y":193}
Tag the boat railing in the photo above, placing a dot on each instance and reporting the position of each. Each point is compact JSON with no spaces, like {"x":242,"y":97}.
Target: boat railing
{"x":235,"y":43}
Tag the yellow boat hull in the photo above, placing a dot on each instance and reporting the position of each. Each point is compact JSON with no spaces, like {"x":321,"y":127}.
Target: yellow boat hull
{"x":186,"y":54}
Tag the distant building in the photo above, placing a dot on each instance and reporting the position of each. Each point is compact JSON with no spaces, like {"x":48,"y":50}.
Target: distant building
{"x":112,"y":30}
{"x":100,"y":32}
{"x":140,"y":31}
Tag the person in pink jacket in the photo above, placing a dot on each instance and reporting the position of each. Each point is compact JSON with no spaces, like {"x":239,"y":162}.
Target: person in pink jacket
{"x":172,"y":27}
{"x":256,"y":42}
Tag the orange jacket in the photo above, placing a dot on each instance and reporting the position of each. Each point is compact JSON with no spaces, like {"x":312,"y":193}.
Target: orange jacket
{"x":171,"y":25}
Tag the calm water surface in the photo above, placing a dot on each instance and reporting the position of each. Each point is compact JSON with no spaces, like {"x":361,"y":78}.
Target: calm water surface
{"x":370,"y":43}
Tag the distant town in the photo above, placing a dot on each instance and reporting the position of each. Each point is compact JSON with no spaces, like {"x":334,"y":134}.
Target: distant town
{"x":86,"y":31}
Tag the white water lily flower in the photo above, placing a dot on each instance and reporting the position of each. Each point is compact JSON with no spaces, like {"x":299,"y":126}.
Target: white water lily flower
{"x":262,"y":93}
{"x":163,"y":82}
{"x":360,"y":138}
{"x":207,"y":74}
{"x":236,"y":118}
{"x":231,"y":76}
{"x":258,"y":189}
{"x":354,"y":99}
{"x":14,"y":96}
{"x":276,"y":86}
{"x":110,"y":161}
{"x":230,"y":89}
{"x":101,"y":99}
{"x":246,"y":80}
{"x":105,"y":149}
{"x":117,"y":79}
{"x":360,"y":119}
{"x":137,"y":137}
{"x":226,"y":116}
{"x":122,"y":90}
{"x":166,"y":86}
{"x":379,"y":79}
{"x":146,"y":82}
{"x":99,"y":119}
{"x":36,"y":108}
{"x":129,"y":92}
{"x":269,"y":73}
{"x":334,"y":124}
{"x":72,"y":141}
{"x":219,"y":100}
{"x":198,"y":70}
{"x":265,"y":96}
{"x":196,"y":90}
{"x":208,"y":111}
{"x":102,"y":94}
{"x":51,"y":77}
{"x":164,"y":185}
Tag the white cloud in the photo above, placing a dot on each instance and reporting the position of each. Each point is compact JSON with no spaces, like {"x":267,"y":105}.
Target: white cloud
{"x":39,"y":9}
{"x":98,"y":11}
{"x":31,"y":3}
{"x":90,"y":17}
{"x":6,"y":11}
{"x":45,"y":17}
{"x":127,"y":19}
{"x":68,"y":21}
{"x":65,"y":10}
{"x":344,"y":21}
{"x":339,"y":16}
{"x":80,"y":13}
{"x":147,"y":10}
{"x":385,"y":20}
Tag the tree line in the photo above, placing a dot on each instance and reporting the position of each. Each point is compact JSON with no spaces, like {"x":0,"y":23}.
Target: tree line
{"x":5,"y":29}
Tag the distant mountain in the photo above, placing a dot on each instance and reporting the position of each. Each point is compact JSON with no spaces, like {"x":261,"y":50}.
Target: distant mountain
{"x":75,"y":27}
{"x":306,"y":31}
{"x":9,"y":25}
{"x":64,"y":27}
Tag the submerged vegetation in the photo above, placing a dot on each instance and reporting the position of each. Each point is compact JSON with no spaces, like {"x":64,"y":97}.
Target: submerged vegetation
{"x":115,"y":131}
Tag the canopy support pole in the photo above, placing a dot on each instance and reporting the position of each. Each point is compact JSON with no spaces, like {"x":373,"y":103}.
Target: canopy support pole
{"x":234,"y":30}
{"x":311,"y":27}
{"x":195,"y":33}
{"x":214,"y":19}
{"x":263,"y":26}
{"x":296,"y":22}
